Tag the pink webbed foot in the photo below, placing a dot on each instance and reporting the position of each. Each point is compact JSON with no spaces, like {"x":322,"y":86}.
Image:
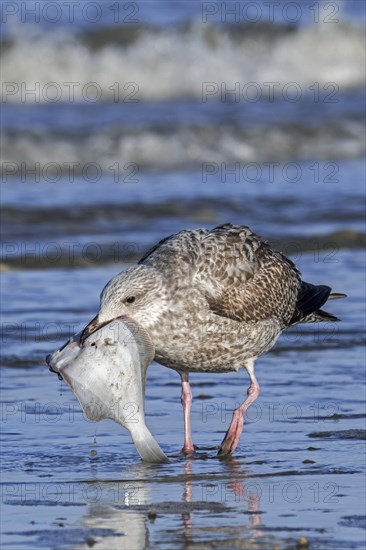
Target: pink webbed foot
{"x":232,"y":436}
{"x":188,"y":450}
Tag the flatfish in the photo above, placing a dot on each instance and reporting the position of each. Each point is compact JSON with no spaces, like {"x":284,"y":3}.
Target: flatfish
{"x":107,"y":374}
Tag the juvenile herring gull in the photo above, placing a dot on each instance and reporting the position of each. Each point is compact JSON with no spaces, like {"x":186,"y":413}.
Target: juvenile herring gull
{"x":213,"y":301}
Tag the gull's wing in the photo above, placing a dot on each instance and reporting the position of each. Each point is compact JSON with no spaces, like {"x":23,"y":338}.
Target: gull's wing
{"x":239,"y":275}
{"x":244,"y":279}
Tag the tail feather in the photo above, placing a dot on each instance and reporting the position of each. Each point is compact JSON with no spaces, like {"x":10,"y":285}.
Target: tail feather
{"x":320,"y":315}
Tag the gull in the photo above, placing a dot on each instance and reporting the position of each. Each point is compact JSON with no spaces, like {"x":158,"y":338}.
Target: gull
{"x":213,"y":301}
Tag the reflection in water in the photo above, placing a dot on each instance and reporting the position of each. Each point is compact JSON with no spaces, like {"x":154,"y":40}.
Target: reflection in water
{"x":120,"y":510}
{"x":244,"y":492}
{"x":187,"y":497}
{"x":234,"y":484}
{"x":126,"y":530}
{"x":120,"y":517}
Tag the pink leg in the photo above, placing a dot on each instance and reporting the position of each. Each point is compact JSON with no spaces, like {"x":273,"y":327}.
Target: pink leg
{"x":232,"y":436}
{"x":186,"y":398}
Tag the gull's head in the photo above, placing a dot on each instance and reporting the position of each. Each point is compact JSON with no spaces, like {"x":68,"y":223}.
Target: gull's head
{"x":137,"y":293}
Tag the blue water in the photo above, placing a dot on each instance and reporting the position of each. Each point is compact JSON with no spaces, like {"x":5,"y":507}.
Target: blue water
{"x":88,"y":186}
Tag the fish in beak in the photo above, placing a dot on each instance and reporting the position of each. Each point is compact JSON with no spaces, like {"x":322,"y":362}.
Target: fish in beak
{"x":105,"y":367}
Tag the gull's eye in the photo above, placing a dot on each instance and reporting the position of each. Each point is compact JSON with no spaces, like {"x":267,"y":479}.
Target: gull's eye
{"x":130,"y":300}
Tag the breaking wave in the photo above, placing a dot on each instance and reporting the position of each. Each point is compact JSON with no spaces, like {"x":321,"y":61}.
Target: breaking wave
{"x":167,"y":149}
{"x":174,"y":62}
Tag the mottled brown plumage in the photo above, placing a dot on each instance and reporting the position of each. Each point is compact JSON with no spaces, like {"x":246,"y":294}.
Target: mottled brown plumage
{"x":213,"y":301}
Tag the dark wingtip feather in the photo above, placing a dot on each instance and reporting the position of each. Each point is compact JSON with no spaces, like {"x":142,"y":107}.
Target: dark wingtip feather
{"x":309,"y":300}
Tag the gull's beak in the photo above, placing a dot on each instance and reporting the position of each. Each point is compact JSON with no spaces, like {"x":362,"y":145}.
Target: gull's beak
{"x":94,"y":325}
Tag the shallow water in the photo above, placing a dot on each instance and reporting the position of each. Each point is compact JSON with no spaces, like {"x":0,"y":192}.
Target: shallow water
{"x":298,"y":471}
{"x":293,"y":171}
